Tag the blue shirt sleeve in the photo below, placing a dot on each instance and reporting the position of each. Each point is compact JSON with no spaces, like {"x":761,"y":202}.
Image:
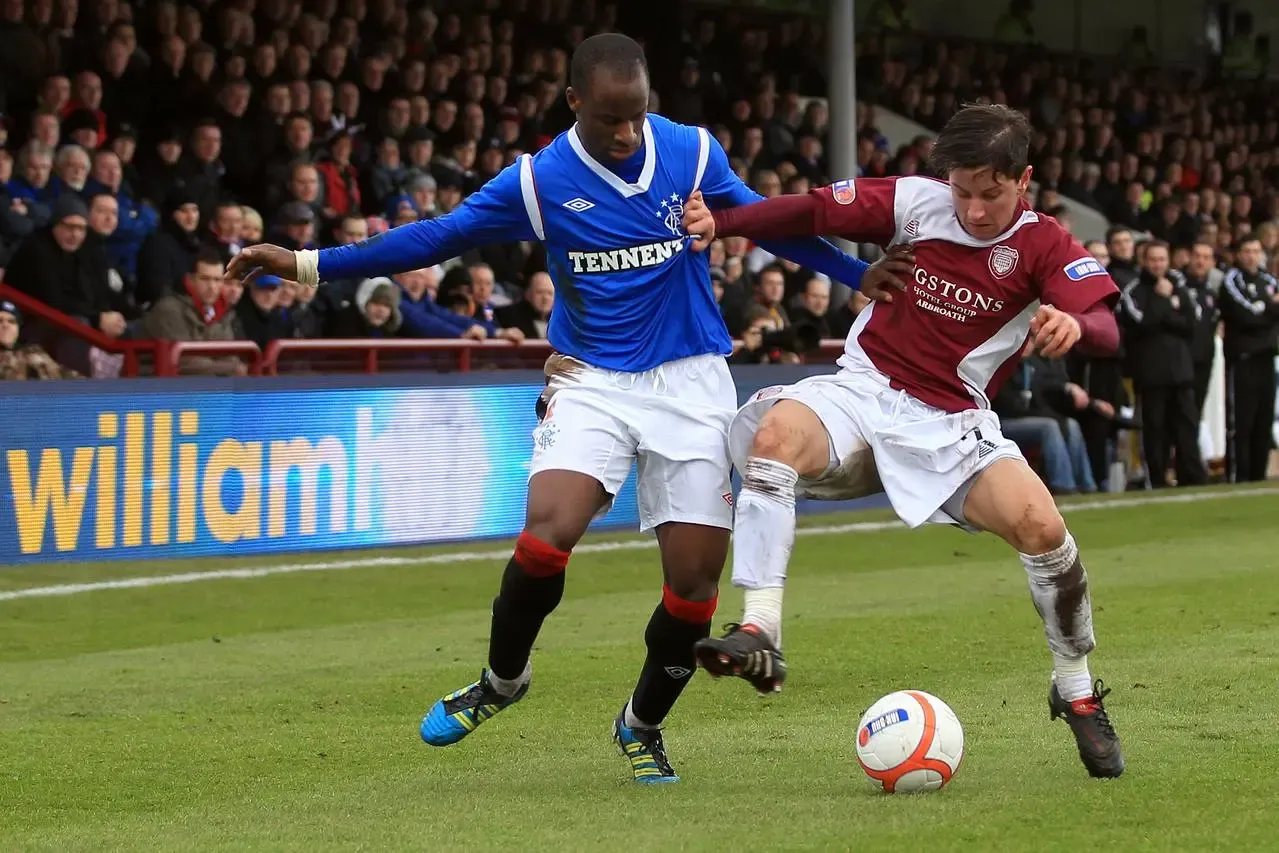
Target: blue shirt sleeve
{"x":494,"y":214}
{"x":722,"y":188}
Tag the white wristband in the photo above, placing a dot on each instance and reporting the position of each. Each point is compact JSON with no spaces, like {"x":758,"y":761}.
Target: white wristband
{"x":308,"y":264}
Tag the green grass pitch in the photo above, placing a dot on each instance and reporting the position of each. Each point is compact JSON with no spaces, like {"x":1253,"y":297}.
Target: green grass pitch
{"x":281,"y":712}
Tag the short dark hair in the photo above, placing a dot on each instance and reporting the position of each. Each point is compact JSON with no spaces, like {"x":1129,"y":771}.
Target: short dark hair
{"x":620,"y":54}
{"x":208,"y":256}
{"x":1115,"y":230}
{"x":1159,"y":244}
{"x":1246,"y":239}
{"x":983,"y":136}
{"x":777,"y":268}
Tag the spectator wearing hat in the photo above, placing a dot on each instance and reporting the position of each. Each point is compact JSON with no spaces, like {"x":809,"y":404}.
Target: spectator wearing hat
{"x":124,"y":142}
{"x":80,"y":127}
{"x":53,"y":266}
{"x":295,"y":225}
{"x":197,"y":312}
{"x":24,"y":362}
{"x":260,"y":314}
{"x":168,"y":254}
{"x":374,"y":312}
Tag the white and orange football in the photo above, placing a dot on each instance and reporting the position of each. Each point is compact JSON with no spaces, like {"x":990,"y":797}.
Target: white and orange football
{"x":909,"y":742}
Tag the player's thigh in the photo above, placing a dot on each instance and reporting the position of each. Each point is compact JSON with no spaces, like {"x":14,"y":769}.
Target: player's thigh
{"x":1010,"y":500}
{"x":582,"y":454}
{"x":792,"y":432}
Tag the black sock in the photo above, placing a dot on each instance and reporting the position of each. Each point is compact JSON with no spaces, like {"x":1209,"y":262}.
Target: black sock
{"x":669,"y":666}
{"x":518,"y":612}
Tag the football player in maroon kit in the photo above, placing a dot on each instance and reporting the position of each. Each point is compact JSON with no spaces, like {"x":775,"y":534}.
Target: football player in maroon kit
{"x":909,"y":413}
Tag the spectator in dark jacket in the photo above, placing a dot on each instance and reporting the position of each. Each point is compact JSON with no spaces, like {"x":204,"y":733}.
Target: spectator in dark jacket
{"x":1158,"y":312}
{"x":169,"y":253}
{"x":260,"y":314}
{"x":811,"y":306}
{"x":1029,"y":408}
{"x":374,"y":313}
{"x":532,"y":315}
{"x":54,"y":267}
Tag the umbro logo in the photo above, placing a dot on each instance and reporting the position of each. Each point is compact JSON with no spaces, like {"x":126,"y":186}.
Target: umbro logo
{"x":579,"y":205}
{"x":678,"y":672}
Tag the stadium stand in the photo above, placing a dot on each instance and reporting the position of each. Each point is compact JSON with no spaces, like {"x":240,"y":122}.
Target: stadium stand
{"x":137,"y":137}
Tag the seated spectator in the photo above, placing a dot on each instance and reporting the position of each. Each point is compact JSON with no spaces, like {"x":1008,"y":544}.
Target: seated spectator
{"x":532,"y":315}
{"x":104,"y":218}
{"x":15,"y":225}
{"x":770,"y":289}
{"x":1028,"y":416}
{"x":53,"y":266}
{"x":260,"y":316}
{"x":34,"y":169}
{"x":812,"y":306}
{"x":197,"y":313}
{"x":423,"y":318}
{"x":70,"y":171}
{"x":24,"y":362}
{"x":251,"y":227}
{"x":302,"y":310}
{"x":374,"y":313}
{"x":134,"y":220}
{"x":168,"y":255}
{"x":760,"y":344}
{"x":225,"y":230}
{"x":340,"y":178}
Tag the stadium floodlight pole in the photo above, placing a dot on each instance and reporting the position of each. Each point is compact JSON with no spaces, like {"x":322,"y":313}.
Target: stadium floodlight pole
{"x":841,"y":66}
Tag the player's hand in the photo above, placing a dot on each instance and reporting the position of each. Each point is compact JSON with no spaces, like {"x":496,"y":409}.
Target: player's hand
{"x":263,"y":258}
{"x":1053,"y":332}
{"x":698,"y":222}
{"x":889,"y":273}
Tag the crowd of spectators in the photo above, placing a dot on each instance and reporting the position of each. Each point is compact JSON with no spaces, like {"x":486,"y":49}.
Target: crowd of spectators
{"x":142,"y":145}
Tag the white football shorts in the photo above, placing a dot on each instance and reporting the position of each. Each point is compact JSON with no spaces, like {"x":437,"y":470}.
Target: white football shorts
{"x":672,"y":421}
{"x":885,"y":440}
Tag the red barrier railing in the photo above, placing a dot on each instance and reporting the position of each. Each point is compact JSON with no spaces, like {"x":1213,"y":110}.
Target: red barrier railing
{"x":57,"y":323}
{"x":371,"y":354}
{"x":169,"y":356}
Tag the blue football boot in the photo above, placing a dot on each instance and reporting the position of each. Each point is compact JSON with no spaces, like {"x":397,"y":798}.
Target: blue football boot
{"x":461,"y":712}
{"x":643,"y":747}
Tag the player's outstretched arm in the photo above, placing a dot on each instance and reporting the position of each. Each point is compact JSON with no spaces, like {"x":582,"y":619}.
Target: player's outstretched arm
{"x":495,"y":214}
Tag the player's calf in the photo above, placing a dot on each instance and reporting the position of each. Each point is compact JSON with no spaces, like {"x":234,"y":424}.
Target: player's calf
{"x":1009,"y":500}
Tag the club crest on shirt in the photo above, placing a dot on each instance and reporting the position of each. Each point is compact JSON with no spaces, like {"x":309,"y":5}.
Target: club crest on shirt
{"x":672,"y":214}
{"x":844,"y":192}
{"x":1002,"y":261}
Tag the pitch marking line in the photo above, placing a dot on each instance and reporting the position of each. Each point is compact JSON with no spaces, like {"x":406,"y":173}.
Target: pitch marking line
{"x":589,"y":548}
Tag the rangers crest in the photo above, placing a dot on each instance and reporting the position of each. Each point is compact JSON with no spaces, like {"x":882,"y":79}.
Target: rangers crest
{"x":1002,"y":261}
{"x":672,"y":214}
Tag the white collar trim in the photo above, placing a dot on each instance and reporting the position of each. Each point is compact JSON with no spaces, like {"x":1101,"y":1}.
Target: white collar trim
{"x":623,"y":189}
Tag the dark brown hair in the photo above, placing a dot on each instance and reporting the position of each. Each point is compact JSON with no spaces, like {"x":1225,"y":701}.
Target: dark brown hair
{"x":983,"y":136}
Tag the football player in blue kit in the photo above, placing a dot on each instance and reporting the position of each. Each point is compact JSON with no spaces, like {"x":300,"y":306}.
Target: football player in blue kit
{"x":639,"y":373}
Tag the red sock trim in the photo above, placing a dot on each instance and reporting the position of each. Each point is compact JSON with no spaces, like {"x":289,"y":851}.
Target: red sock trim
{"x":537,"y":558}
{"x":692,"y":612}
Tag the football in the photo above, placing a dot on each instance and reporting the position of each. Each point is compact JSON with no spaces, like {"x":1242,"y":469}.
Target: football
{"x":909,"y":742}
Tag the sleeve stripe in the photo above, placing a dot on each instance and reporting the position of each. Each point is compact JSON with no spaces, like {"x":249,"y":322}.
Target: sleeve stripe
{"x":703,"y":155}
{"x":528,"y":189}
{"x":1233,"y":280}
{"x":1130,"y":306}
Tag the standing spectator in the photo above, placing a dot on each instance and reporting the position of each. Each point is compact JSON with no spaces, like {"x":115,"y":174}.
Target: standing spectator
{"x":532,"y":315}
{"x":1250,"y":310}
{"x":1159,"y":316}
{"x":1199,"y":277}
{"x":197,"y":313}
{"x":169,"y":253}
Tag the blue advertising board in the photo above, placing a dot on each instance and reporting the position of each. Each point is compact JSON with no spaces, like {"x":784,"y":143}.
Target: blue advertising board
{"x":133,"y":469}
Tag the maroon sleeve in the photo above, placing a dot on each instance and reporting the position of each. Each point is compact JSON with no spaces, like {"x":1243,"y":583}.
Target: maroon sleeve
{"x":1099,"y":331}
{"x":861,"y":211}
{"x":1069,"y":278}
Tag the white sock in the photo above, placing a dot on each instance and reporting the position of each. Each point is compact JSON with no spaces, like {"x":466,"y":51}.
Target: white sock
{"x":631,"y":721}
{"x":1072,"y":677}
{"x":764,"y":524}
{"x":510,"y":686}
{"x":764,"y":611}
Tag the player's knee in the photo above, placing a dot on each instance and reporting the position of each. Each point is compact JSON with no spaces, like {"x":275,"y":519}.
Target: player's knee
{"x":691,"y":600}
{"x":1039,"y":530}
{"x":777,"y":440}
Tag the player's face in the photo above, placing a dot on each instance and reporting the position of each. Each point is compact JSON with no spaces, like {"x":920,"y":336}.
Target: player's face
{"x":986,"y":202}
{"x":610,"y":115}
